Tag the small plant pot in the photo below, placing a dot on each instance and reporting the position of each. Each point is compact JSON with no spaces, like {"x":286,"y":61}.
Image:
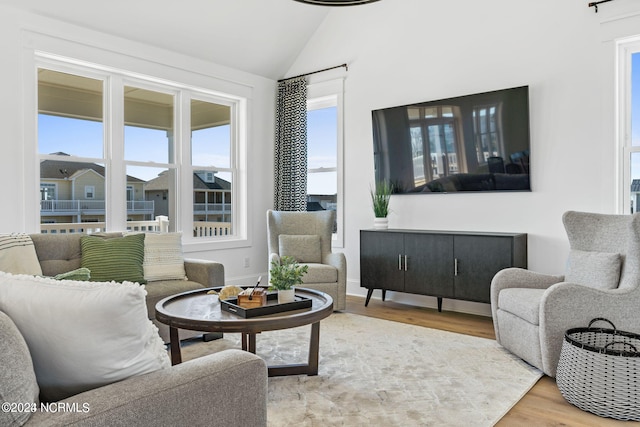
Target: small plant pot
{"x":381,"y":223}
{"x":287,"y":295}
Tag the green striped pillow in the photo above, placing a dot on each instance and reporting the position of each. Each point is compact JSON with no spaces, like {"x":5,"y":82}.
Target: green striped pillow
{"x":118,"y":259}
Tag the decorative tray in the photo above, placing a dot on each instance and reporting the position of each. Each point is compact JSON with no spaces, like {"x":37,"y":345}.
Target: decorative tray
{"x":231,"y":305}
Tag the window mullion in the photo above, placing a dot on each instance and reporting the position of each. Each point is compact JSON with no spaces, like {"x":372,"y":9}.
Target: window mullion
{"x":116,"y":181}
{"x":184,"y":209}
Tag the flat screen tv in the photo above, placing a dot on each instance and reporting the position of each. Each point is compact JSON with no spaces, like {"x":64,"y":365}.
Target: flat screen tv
{"x":475,"y":143}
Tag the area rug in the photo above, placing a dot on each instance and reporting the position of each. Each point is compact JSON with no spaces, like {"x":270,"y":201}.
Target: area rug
{"x":377,"y":372}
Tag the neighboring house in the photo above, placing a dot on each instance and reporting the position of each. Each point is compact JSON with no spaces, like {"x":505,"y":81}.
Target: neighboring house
{"x":73,"y":192}
{"x":211,"y":196}
{"x":635,"y":195}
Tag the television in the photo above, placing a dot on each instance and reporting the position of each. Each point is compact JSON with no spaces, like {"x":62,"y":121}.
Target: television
{"x":472,"y":143}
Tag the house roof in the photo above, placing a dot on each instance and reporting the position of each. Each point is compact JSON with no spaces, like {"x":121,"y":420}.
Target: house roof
{"x":161,"y":182}
{"x":60,"y":169}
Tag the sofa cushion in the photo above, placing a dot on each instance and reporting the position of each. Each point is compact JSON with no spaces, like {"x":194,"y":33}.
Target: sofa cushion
{"x":163,"y":258}
{"x":164,"y":288}
{"x":18,"y":255}
{"x":320,"y":273}
{"x":594,"y":269}
{"x":82,"y":335}
{"x":61,"y":253}
{"x":522,"y":302}
{"x":17,"y":378}
{"x":304,"y":248}
{"x":119,"y":259}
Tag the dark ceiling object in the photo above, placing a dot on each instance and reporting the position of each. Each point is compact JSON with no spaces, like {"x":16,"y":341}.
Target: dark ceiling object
{"x":336,"y":2}
{"x":596,"y":3}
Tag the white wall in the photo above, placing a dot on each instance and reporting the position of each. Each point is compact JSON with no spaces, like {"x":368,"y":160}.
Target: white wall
{"x":22,"y":33}
{"x":404,"y":51}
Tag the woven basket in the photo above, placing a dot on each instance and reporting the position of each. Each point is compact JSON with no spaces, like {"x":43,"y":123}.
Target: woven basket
{"x":599,"y":371}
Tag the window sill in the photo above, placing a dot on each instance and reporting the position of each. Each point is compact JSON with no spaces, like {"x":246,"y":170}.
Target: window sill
{"x":213,"y":244}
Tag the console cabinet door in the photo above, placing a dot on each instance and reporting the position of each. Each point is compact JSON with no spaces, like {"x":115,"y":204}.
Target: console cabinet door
{"x":379,"y":260}
{"x":429,"y":264}
{"x":478,"y":259}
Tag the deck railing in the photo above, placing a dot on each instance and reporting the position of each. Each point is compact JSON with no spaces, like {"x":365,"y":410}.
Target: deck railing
{"x":75,"y":207}
{"x":160,"y":224}
{"x":211,"y":229}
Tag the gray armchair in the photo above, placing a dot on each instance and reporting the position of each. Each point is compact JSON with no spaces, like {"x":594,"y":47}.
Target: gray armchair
{"x":307,"y":237}
{"x":532,"y":311}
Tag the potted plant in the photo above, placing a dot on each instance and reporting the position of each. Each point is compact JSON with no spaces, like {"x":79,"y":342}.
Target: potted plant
{"x":283,"y":277}
{"x":380,"y":196}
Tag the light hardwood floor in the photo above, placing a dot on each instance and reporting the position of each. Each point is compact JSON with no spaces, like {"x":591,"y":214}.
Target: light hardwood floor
{"x":543,"y":405}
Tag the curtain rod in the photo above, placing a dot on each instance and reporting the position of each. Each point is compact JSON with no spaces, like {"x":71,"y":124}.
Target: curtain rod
{"x":346,"y":67}
{"x":596,"y":3}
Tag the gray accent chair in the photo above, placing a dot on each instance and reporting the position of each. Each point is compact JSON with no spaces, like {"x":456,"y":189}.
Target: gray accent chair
{"x":228,"y":388}
{"x":307,"y":237}
{"x":532,"y":311}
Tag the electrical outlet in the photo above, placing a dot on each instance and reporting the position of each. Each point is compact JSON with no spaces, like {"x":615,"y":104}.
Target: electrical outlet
{"x":247,"y":262}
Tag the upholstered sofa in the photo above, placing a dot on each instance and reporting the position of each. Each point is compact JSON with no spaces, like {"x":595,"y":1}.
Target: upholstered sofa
{"x":60,"y":253}
{"x":228,"y":388}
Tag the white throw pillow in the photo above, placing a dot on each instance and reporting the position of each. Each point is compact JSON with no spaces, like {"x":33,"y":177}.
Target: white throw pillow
{"x":163,"y":257}
{"x":594,"y":269}
{"x":18,"y":255}
{"x":82,"y":335}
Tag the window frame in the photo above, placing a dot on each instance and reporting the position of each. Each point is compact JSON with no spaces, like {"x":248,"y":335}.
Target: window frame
{"x":114,"y":81}
{"x":321,"y":95}
{"x":624,"y":50}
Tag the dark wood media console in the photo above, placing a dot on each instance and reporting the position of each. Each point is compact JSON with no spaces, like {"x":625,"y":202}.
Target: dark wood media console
{"x":443,"y":264}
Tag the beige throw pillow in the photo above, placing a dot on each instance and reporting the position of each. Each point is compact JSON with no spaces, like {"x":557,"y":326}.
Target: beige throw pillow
{"x":163,"y":257}
{"x":18,"y":255}
{"x":304,"y":248}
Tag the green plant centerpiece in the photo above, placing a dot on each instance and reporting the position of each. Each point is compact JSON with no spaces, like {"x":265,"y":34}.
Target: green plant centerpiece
{"x":287,"y":273}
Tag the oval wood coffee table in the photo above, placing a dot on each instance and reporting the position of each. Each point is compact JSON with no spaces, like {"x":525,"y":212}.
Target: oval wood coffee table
{"x":199,"y":311}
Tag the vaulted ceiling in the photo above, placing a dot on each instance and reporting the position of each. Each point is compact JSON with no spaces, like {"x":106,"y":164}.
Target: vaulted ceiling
{"x":262,"y":37}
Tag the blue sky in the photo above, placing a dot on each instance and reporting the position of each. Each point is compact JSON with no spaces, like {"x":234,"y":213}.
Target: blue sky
{"x":83,"y":138}
{"x":210,"y":147}
{"x":321,"y":150}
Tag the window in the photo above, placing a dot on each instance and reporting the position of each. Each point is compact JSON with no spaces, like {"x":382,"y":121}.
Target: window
{"x":137,"y":148}
{"x":47,"y":191}
{"x":629,"y":126}
{"x":487,"y":133}
{"x":89,"y":191}
{"x":434,"y":142}
{"x":324,"y":151}
{"x":322,"y":159}
{"x":212,"y":166}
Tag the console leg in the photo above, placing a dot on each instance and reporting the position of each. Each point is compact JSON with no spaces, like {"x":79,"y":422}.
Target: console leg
{"x":439,"y":304}
{"x":384,"y":294}
{"x":369,"y":292}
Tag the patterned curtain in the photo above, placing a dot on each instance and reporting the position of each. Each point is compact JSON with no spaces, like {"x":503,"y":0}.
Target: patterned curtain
{"x":291,"y":146}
